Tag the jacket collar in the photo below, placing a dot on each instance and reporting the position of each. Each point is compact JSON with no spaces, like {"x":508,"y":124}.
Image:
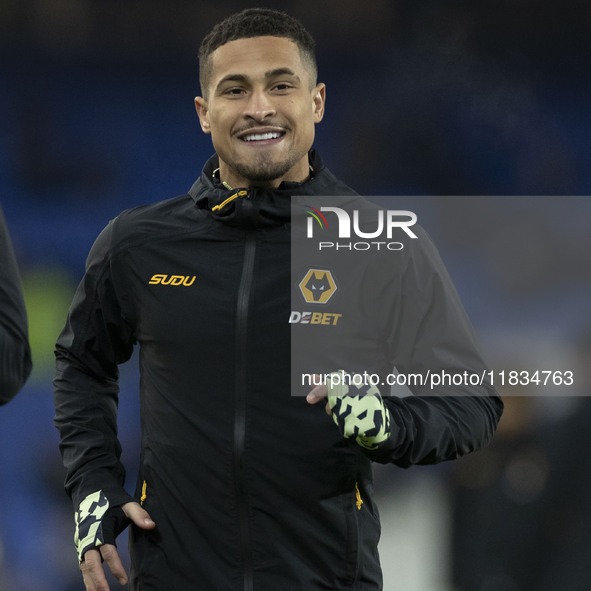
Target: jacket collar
{"x":256,"y":206}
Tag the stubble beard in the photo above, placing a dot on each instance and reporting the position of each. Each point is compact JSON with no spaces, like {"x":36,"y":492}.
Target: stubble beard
{"x":264,"y":169}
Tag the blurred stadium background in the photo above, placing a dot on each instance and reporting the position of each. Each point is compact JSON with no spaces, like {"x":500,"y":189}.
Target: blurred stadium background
{"x":432,"y":98}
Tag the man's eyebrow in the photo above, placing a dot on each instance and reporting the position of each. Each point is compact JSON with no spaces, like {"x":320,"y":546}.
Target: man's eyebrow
{"x":280,"y":72}
{"x":269,"y":74}
{"x":232,"y":78}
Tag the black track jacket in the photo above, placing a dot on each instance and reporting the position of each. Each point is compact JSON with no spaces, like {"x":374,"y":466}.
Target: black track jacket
{"x":15,"y":354}
{"x":251,"y":488}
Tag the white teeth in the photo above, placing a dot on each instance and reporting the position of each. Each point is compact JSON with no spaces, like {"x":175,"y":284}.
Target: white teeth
{"x":261,"y":136}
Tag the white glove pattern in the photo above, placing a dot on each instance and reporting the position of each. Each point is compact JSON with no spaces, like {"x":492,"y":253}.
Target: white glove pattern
{"x":358,"y":411}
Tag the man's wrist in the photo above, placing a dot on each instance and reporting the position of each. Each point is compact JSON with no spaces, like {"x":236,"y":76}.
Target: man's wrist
{"x":88,"y":518}
{"x":358,"y":411}
{"x":97,"y":523}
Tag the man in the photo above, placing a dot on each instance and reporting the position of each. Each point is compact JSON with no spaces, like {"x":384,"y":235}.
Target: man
{"x":15,"y":355}
{"x":242,"y":486}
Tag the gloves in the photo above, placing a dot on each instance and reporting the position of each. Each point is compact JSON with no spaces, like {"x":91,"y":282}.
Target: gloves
{"x":97,"y":523}
{"x":358,"y":411}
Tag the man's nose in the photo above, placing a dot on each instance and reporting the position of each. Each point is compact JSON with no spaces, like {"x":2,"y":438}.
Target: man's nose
{"x":259,"y":106}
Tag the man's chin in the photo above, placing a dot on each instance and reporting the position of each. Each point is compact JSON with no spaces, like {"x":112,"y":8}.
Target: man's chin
{"x":262,"y":172}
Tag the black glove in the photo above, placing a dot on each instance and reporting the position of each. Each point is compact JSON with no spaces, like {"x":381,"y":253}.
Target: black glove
{"x":358,"y":411}
{"x":97,"y":523}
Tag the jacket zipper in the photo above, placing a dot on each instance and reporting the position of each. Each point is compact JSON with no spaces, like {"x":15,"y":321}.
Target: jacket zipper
{"x":244,"y":293}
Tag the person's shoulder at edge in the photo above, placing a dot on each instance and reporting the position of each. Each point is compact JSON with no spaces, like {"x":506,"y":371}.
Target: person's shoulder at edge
{"x":152,"y":220}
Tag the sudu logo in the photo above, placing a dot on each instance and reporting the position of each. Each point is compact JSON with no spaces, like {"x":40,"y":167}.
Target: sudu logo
{"x":184,"y":280}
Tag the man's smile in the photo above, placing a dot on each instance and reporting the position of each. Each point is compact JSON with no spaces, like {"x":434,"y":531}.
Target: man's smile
{"x":261,"y":136}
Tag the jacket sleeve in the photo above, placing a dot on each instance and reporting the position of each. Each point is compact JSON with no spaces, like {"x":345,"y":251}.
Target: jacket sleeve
{"x":455,"y":409}
{"x":95,"y":340}
{"x":15,"y":354}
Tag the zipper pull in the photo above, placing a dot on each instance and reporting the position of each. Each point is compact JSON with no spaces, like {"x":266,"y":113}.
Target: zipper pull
{"x":359,"y":501}
{"x":229,"y":200}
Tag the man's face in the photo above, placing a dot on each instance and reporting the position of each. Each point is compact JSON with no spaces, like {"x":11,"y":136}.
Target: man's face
{"x":260,"y":111}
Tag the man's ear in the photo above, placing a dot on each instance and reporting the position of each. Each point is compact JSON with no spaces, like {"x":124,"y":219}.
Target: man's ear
{"x":319,"y":98}
{"x":203,"y":113}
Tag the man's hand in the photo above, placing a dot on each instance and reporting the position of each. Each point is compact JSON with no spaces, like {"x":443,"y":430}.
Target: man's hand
{"x":358,"y":411}
{"x":91,"y":564}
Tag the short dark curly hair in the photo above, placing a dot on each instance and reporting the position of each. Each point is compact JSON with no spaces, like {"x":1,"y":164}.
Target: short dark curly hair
{"x":256,"y":22}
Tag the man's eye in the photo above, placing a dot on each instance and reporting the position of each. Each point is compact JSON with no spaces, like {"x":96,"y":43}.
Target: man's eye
{"x":283,"y":86}
{"x":234,"y":91}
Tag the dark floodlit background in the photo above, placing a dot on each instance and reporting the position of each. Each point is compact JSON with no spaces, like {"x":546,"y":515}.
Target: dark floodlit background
{"x":424,"y":98}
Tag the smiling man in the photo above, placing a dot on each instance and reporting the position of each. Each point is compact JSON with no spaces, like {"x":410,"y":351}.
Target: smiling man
{"x":260,"y":104}
{"x":243,"y":486}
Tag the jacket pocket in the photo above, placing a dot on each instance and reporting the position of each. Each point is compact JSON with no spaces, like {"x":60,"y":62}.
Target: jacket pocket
{"x":144,"y":544}
{"x":352,"y":554}
{"x":146,"y":492}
